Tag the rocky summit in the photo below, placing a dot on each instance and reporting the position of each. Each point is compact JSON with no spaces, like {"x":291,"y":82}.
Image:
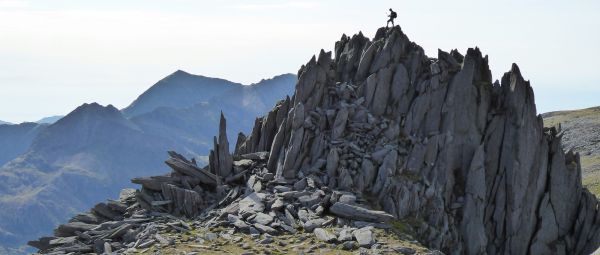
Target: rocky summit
{"x":382,"y":149}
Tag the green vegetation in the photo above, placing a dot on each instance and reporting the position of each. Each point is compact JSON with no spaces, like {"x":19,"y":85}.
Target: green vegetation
{"x":591,"y":180}
{"x":574,"y":124}
{"x":399,"y":235}
{"x":554,"y":118}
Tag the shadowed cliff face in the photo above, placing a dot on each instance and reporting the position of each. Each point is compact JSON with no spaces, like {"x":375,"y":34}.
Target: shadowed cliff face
{"x":436,"y":140}
{"x":15,"y":139}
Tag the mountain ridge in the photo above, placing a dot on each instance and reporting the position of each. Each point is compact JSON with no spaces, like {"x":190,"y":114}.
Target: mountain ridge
{"x":50,"y":119}
{"x":96,"y":149}
{"x":380,"y":136}
{"x":186,"y":90}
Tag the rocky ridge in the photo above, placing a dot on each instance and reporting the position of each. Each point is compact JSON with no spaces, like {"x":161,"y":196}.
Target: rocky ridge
{"x":248,"y":201}
{"x":580,"y":131}
{"x":378,"y":133}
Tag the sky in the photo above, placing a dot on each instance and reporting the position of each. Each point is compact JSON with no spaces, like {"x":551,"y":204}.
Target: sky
{"x":58,"y":54}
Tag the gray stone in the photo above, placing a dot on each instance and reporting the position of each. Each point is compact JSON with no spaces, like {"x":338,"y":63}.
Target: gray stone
{"x":349,"y":245}
{"x":332,"y":162}
{"x":263,"y":219}
{"x":241,"y":225}
{"x":309,"y":201}
{"x":222,"y":160}
{"x":265,"y":229}
{"x":300,"y":185}
{"x":277,"y":205}
{"x":281,"y":189}
{"x":404,"y":250}
{"x":364,"y":237}
{"x":310,"y":225}
{"x":340,"y":123}
{"x":303,"y":215}
{"x":359,"y":213}
{"x":210,"y":236}
{"x":324,"y":235}
{"x":251,"y":204}
{"x":345,"y":235}
{"x":347,"y":199}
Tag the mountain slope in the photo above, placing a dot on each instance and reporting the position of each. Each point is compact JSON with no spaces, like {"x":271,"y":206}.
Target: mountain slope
{"x":178,"y":90}
{"x":581,"y":133}
{"x":4,"y":123}
{"x":194,"y":126}
{"x":49,"y":120}
{"x":15,"y":139}
{"x":72,"y":163}
{"x":257,"y":97}
{"x":95,"y":150}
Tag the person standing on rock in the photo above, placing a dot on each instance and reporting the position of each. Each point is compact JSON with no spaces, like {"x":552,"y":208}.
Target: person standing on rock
{"x":392,"y":16}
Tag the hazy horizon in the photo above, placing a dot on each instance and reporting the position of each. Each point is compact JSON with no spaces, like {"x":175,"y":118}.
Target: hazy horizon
{"x":56,"y":55}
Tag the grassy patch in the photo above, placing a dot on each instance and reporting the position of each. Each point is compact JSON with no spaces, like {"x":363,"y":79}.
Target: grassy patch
{"x":411,"y":176}
{"x":592,"y":182}
{"x":591,"y":179}
{"x":565,"y":116}
{"x":283,"y":244}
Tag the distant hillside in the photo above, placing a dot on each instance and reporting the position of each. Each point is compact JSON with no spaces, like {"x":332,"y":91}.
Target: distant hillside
{"x":581,"y":130}
{"x":69,"y":165}
{"x":49,"y":120}
{"x":179,"y":90}
{"x":15,"y":139}
{"x":4,"y":122}
{"x":93,"y":151}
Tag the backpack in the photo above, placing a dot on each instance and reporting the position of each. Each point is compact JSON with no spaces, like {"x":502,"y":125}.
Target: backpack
{"x":393,"y":15}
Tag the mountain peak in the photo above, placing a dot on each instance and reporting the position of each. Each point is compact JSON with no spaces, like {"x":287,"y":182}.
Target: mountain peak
{"x":462,"y":163}
{"x":181,"y":73}
{"x":178,"y":90}
{"x":94,"y":108}
{"x":87,"y":112}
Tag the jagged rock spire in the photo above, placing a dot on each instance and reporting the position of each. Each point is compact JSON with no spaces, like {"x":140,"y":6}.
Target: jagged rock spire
{"x":434,"y":139}
{"x":221,"y":161}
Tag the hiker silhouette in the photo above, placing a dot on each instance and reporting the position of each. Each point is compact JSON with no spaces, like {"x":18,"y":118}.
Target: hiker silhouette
{"x":392,"y":16}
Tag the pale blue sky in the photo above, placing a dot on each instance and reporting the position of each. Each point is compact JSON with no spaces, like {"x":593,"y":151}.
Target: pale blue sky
{"x":58,"y":54}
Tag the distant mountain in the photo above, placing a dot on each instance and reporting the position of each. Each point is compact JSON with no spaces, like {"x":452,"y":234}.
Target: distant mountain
{"x":94,"y":150}
{"x":86,"y":154}
{"x":4,"y":123}
{"x":49,"y":120}
{"x":195,"y":126}
{"x":179,"y":90}
{"x":257,"y":97}
{"x":15,"y":139}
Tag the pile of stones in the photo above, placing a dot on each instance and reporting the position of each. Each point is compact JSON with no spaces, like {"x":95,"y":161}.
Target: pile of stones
{"x":250,"y":200}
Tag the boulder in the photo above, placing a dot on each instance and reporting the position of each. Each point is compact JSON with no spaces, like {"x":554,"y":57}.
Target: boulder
{"x":324,"y":235}
{"x":358,"y":213}
{"x":364,"y":237}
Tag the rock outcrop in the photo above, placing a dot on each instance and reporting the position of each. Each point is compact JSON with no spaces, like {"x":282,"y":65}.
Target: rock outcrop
{"x":438,"y":140}
{"x":380,"y":132}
